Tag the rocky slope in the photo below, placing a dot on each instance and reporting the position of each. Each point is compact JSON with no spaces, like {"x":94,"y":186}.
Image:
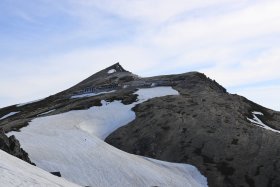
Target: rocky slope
{"x":231,"y":140}
{"x":209,"y":128}
{"x":12,"y":146}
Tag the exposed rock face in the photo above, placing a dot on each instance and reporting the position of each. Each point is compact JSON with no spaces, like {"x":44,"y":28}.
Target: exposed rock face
{"x":208,"y":128}
{"x":12,"y":146}
{"x":56,"y":173}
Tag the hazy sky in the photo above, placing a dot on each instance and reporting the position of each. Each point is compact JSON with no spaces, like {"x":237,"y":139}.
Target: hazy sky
{"x":47,"y":46}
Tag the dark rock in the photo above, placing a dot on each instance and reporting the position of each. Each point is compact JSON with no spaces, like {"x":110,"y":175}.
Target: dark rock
{"x":57,"y":173}
{"x":208,"y":128}
{"x":12,"y":146}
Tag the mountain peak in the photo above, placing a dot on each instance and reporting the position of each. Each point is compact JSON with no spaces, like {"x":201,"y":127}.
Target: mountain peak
{"x":115,"y":68}
{"x":104,"y":77}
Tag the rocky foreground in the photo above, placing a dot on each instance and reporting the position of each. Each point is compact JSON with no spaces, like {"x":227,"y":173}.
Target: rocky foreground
{"x":12,"y":146}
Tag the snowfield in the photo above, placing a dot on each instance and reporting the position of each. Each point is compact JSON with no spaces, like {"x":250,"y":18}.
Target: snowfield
{"x":15,"y":172}
{"x":72,"y":143}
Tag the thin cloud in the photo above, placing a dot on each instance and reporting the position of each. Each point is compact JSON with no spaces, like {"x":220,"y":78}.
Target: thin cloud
{"x":236,"y":42}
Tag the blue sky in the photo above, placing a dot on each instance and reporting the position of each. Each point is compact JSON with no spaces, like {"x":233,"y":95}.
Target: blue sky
{"x":47,"y":46}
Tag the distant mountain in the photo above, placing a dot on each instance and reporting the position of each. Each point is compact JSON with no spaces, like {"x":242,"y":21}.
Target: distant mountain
{"x":178,"y":119}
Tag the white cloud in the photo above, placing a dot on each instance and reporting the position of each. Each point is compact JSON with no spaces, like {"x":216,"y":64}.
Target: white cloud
{"x":155,"y":11}
{"x":233,"y":41}
{"x":255,"y":70}
{"x":234,"y":26}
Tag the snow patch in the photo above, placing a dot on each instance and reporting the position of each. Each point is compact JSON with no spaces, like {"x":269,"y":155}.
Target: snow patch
{"x":72,"y":143}
{"x":149,"y":93}
{"x":259,"y":123}
{"x":90,"y":94}
{"x":15,"y":172}
{"x":8,"y":115}
{"x":257,"y":113}
{"x":35,"y":101}
{"x":47,"y":112}
{"x":112,"y":71}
